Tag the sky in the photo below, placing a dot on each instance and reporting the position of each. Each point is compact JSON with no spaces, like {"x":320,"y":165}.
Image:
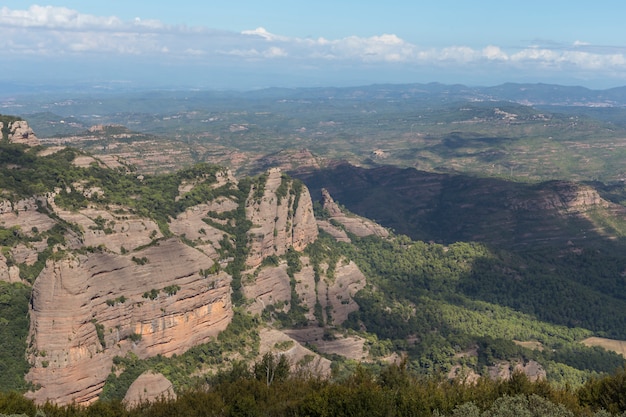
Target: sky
{"x":249,"y":44}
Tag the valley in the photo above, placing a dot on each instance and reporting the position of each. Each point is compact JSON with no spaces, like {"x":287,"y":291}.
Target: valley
{"x":471,"y":233}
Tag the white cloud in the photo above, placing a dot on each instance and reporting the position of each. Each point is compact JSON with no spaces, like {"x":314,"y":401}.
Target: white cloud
{"x":55,"y":18}
{"x":275,"y":52}
{"x":494,"y":53}
{"x":58,"y":31}
{"x":263,"y":33}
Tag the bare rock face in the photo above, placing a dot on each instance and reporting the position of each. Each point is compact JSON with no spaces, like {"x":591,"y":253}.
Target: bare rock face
{"x":149,"y":387}
{"x":338,"y":233}
{"x":118,"y":233}
{"x":25,"y":215}
{"x":338,"y":292}
{"x":348,"y":346}
{"x":20,"y":132}
{"x":271,"y":286}
{"x":504,"y":370}
{"x":8,"y":273}
{"x":301,"y":359}
{"x":282,"y":217}
{"x":191,"y":225}
{"x":357,"y":225}
{"x":89,"y":308}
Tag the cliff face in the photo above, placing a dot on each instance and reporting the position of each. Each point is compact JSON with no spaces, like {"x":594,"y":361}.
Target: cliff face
{"x":357,"y":225}
{"x":334,"y":294}
{"x":18,"y":131}
{"x":281,"y":216}
{"x":90,"y":308}
{"x":109,"y":279}
{"x":118,"y":285}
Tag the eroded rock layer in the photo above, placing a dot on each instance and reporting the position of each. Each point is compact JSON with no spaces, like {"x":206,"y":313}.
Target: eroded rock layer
{"x":90,"y":308}
{"x":282,"y":217}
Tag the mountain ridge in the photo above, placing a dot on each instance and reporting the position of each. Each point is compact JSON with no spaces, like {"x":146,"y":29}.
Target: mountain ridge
{"x":197,"y":269}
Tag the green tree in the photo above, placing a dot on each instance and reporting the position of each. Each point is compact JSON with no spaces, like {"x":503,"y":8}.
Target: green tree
{"x":272,"y":369}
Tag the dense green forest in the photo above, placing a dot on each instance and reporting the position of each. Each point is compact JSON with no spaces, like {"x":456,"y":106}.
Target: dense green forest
{"x":419,"y":288}
{"x":394,"y":391}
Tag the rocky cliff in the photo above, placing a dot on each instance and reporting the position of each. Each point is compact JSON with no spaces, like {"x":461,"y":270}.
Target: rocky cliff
{"x":271,"y":287}
{"x":115,"y":283}
{"x":86,"y":309}
{"x":281,"y":213}
{"x":357,"y":225}
{"x":18,"y":131}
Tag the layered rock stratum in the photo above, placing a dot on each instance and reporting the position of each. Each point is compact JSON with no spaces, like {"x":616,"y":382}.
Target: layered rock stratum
{"x":149,"y":386}
{"x":86,"y":309}
{"x":117,"y":283}
{"x":280,"y":219}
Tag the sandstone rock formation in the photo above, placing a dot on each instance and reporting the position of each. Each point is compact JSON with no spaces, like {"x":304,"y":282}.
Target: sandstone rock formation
{"x":190,"y":224}
{"x":149,"y":387}
{"x":271,"y":286}
{"x":337,"y":293}
{"x":503,"y":370}
{"x":86,"y":309}
{"x":20,"y":132}
{"x":117,"y":232}
{"x":301,"y":359}
{"x":280,"y":220}
{"x":24,"y":214}
{"x":8,"y":273}
{"x":360,"y":226}
{"x":113,"y":283}
{"x":350,"y":347}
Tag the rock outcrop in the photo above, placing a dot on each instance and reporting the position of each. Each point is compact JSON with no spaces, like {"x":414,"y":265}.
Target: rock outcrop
{"x":25,"y":215}
{"x":281,"y":213}
{"x":8,"y":273}
{"x":114,"y":281}
{"x":357,"y":225}
{"x":20,"y":132}
{"x":272,"y":287}
{"x":504,"y":370}
{"x":301,"y":360}
{"x":149,"y":387}
{"x":121,"y":286}
{"x":86,"y":309}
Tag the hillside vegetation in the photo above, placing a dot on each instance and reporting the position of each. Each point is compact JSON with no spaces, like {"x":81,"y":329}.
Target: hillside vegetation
{"x":431,"y":302}
{"x":498,"y":269}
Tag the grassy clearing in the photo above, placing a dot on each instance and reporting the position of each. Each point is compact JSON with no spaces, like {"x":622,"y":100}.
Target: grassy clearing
{"x":617,"y":346}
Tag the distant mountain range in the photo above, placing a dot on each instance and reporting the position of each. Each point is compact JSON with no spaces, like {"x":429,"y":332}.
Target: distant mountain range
{"x":21,"y":98}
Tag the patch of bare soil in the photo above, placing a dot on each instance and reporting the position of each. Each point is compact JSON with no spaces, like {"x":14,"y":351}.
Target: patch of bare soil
{"x":617,"y":346}
{"x":530,"y":344}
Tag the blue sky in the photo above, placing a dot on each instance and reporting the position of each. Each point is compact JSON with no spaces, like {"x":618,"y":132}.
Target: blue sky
{"x":253,"y":44}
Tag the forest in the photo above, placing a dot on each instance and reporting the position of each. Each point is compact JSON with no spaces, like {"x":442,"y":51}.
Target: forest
{"x":394,"y":391}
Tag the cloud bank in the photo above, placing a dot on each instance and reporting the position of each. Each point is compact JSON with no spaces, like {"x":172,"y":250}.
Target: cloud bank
{"x":62,"y":33}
